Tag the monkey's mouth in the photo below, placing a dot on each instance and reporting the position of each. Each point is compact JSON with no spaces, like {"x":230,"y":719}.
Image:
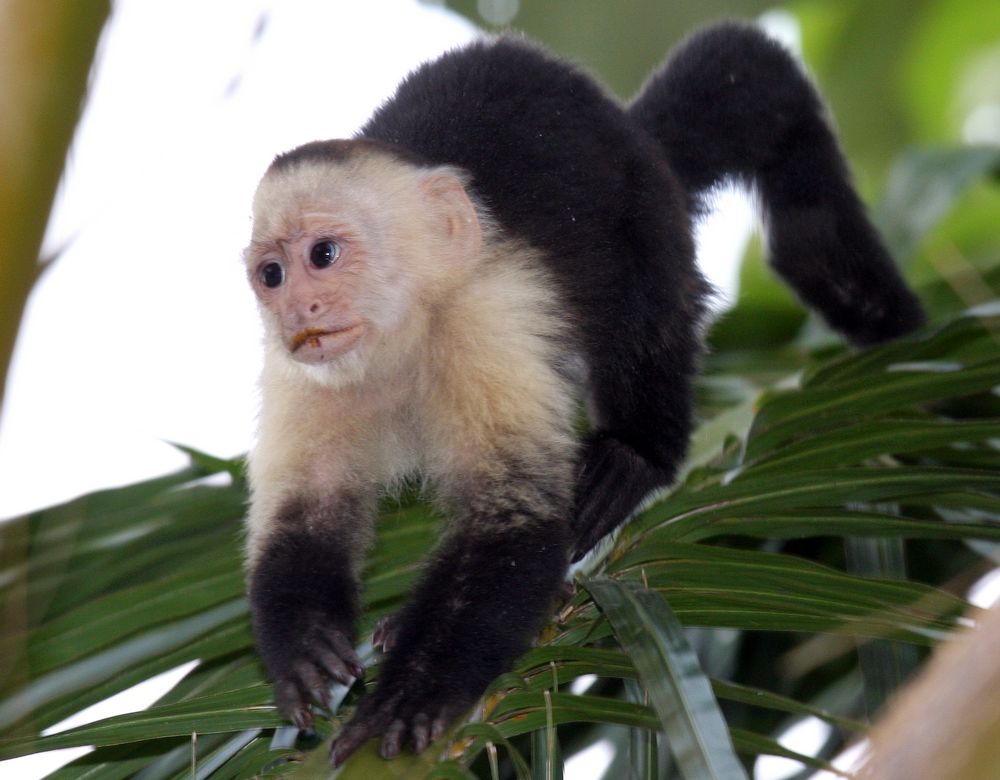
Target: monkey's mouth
{"x":317,"y":345}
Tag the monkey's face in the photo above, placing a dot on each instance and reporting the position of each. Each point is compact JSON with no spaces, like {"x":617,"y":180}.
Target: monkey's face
{"x":347,"y":260}
{"x":311,"y":288}
{"x":333,"y":274}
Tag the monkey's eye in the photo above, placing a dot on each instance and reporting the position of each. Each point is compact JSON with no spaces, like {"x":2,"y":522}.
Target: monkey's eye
{"x":272,"y":275}
{"x":324,"y":253}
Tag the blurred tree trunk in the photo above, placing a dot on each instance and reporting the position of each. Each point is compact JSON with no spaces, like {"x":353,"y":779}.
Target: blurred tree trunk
{"x":946,"y":725}
{"x":46,"y":48}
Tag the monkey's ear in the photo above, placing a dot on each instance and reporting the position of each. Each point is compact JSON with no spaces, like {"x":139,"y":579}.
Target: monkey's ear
{"x":450,"y":204}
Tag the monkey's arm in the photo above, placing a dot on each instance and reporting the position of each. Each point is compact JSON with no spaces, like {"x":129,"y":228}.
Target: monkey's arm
{"x":498,"y":425}
{"x":475,"y":610}
{"x":304,"y":601}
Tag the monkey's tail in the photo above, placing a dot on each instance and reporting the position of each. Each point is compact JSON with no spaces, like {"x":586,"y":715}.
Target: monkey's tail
{"x":730,"y":103}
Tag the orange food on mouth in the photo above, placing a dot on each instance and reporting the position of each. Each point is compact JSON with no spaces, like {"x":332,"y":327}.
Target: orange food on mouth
{"x":312,"y":336}
{"x":309,"y":336}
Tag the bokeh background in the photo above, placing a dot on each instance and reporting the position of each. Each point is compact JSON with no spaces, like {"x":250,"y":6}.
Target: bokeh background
{"x":126,"y":326}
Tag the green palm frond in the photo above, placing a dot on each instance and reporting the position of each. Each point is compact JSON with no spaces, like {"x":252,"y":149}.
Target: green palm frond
{"x":123,"y":584}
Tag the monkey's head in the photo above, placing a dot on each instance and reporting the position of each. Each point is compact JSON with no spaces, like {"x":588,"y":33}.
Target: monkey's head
{"x":352,"y":245}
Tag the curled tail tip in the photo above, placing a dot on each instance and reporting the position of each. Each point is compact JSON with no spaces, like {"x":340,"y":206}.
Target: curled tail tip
{"x":834,"y":259}
{"x":732,"y":103}
{"x":901,"y":316}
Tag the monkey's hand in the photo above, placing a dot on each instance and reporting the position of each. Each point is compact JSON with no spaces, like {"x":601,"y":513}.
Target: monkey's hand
{"x":302,"y":599}
{"x":306,"y":666}
{"x":481,"y":599}
{"x":417,"y":713}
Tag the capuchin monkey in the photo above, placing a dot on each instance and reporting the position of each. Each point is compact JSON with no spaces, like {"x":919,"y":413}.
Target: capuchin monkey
{"x":500,"y":241}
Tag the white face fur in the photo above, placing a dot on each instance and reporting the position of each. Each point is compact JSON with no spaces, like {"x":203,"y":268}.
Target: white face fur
{"x":345,"y":256}
{"x":411,"y":342}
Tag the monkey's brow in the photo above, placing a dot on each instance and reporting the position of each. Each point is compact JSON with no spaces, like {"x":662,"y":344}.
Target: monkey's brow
{"x":261,"y":246}
{"x":271,"y":240}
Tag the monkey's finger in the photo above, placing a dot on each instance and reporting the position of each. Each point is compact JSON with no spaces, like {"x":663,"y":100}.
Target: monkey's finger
{"x":438,"y":726}
{"x":393,"y":739}
{"x":335,"y":667}
{"x":291,"y":702}
{"x":444,"y":718}
{"x":421,"y":732}
{"x":342,"y":646}
{"x":349,"y":740}
{"x":311,"y":680}
{"x":370,"y":719}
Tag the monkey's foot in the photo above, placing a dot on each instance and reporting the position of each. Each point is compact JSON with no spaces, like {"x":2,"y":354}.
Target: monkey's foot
{"x":323,"y":655}
{"x":613,"y":479}
{"x":385,"y":633}
{"x":400,"y":717}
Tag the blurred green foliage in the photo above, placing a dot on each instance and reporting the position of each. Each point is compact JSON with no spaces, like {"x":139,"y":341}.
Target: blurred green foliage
{"x":802,"y":446}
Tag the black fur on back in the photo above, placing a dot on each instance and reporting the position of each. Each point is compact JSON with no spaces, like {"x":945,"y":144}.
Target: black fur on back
{"x":563,"y":165}
{"x":607,"y":194}
{"x":560,"y":164}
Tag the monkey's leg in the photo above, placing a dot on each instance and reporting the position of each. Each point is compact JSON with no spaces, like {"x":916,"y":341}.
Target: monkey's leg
{"x":304,"y":603}
{"x":642,"y":396}
{"x":640,"y":382}
{"x":640,"y":390}
{"x":480,"y":601}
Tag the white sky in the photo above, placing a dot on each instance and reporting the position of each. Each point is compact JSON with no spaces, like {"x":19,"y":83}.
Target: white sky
{"x":144,"y":331}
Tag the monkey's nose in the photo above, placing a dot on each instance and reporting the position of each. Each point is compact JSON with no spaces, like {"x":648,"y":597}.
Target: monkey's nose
{"x":311,"y":311}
